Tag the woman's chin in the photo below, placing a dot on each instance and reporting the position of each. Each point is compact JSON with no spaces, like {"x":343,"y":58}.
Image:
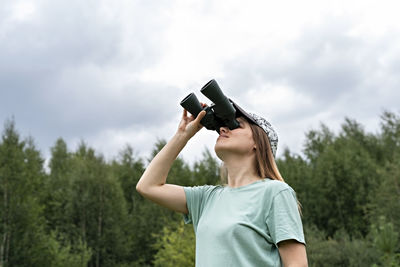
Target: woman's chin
{"x":220,"y":150}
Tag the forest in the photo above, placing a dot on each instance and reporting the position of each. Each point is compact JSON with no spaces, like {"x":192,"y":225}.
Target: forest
{"x":83,"y":210}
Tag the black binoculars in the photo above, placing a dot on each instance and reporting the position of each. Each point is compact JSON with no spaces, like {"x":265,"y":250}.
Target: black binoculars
{"x":220,"y":113}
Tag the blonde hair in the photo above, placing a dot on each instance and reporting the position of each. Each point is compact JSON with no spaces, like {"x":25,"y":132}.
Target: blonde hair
{"x":265,"y":163}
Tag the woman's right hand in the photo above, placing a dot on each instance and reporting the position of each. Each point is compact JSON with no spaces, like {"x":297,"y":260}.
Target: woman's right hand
{"x":190,"y":125}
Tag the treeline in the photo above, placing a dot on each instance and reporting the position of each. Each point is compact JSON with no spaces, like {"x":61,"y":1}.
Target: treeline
{"x":85,"y":210}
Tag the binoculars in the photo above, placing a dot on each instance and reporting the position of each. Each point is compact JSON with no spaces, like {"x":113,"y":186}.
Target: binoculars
{"x":220,"y":113}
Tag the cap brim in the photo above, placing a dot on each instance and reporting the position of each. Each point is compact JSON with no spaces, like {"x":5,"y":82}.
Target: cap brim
{"x":267,"y":128}
{"x":242,"y":112}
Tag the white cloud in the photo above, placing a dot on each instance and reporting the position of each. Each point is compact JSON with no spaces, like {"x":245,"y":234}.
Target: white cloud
{"x":22,"y":11}
{"x":276,"y":100}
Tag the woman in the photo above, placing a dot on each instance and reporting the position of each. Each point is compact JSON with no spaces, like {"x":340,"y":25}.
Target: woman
{"x":253,"y":220}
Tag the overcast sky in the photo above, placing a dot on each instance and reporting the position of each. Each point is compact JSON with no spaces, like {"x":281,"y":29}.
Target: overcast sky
{"x":113,"y":72}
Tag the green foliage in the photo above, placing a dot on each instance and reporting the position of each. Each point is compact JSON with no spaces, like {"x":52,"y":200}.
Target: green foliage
{"x":67,"y":255}
{"x":58,"y":188}
{"x":175,"y":246}
{"x":343,"y":174}
{"x":340,"y":250}
{"x":128,"y":169}
{"x":387,"y":198}
{"x":390,"y":136}
{"x":97,"y":208}
{"x":386,"y":240}
{"x":25,"y":241}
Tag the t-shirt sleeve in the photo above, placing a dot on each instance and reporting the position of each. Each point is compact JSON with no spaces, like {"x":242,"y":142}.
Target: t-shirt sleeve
{"x":196,"y":198}
{"x":284,"y":221}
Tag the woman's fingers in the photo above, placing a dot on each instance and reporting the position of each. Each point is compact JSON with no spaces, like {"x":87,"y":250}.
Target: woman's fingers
{"x":191,"y":125}
{"x":200,"y":116}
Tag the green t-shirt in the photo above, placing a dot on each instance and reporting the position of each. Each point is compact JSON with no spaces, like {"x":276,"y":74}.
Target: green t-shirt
{"x":242,"y":226}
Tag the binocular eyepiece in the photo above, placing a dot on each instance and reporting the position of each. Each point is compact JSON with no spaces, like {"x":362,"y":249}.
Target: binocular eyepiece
{"x":221,"y":113}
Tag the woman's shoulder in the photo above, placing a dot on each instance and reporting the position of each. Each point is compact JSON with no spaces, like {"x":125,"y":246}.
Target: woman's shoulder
{"x":273,"y":187}
{"x":206,"y":189}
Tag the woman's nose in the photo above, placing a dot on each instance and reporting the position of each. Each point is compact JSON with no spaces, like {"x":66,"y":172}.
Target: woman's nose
{"x":223,"y":129}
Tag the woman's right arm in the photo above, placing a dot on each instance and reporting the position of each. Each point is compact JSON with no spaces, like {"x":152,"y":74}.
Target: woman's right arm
{"x":152,"y":185}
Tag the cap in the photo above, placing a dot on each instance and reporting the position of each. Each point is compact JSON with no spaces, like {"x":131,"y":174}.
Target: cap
{"x":262,"y":123}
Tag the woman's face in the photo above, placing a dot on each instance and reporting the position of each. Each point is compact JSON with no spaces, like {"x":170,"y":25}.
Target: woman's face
{"x":238,"y":141}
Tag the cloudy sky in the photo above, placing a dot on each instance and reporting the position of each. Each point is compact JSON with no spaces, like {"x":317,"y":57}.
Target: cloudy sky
{"x":113,"y":72}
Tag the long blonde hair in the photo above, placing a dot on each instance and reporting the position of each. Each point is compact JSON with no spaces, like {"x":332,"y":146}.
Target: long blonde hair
{"x":265,"y":163}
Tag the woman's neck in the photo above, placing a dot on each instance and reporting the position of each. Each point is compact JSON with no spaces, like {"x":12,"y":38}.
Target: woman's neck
{"x":241,"y":171}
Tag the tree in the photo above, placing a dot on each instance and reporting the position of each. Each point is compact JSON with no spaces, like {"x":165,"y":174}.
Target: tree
{"x":22,"y":175}
{"x":340,"y":250}
{"x":25,"y":241}
{"x":58,"y":188}
{"x":343,"y":175}
{"x":128,"y":168}
{"x":98,"y":208}
{"x":390,"y":136}
{"x":175,"y":246}
{"x":11,"y":169}
{"x":386,"y":242}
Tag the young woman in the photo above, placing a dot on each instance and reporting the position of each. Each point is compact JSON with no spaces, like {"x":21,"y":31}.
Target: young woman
{"x":253,"y":220}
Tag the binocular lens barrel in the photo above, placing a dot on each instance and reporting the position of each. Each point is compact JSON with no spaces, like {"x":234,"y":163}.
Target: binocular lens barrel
{"x":191,"y":104}
{"x":223,"y":106}
{"x":212,"y":91}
